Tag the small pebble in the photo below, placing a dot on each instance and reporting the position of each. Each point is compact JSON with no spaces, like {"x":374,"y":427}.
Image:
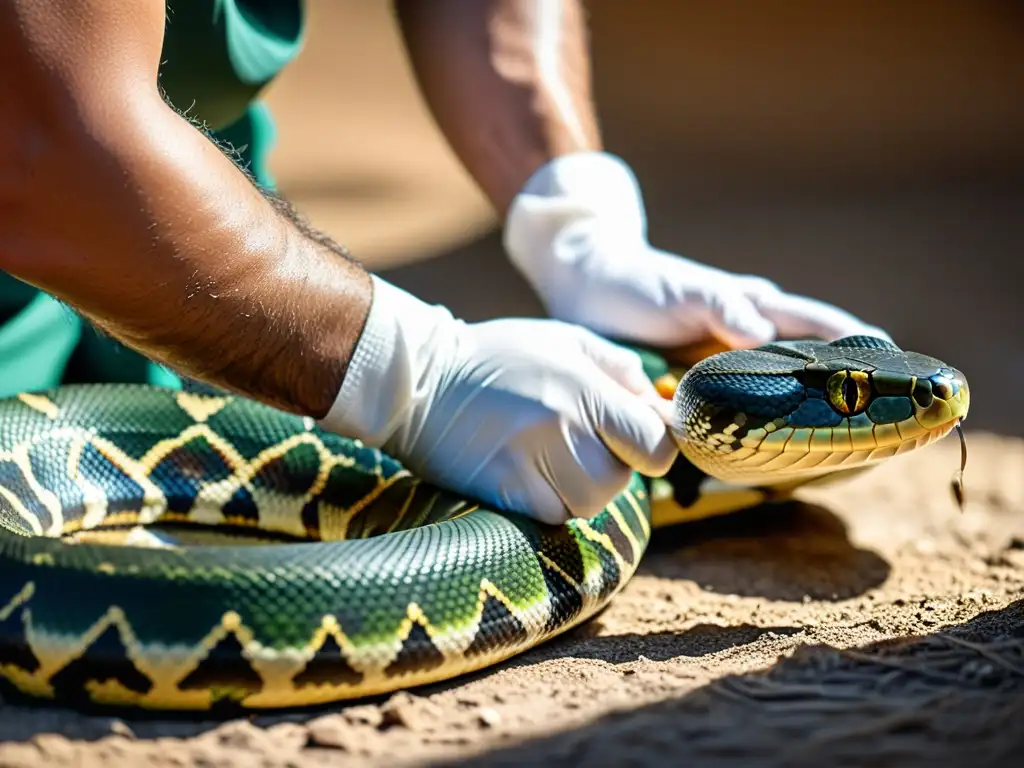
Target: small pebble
{"x":489,"y":717}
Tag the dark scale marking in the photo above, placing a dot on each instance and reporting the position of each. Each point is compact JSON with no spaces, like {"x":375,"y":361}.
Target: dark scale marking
{"x":14,"y":647}
{"x":382,"y":515}
{"x":53,"y":476}
{"x":750,"y":423}
{"x":721,"y":419}
{"x":344,"y":487}
{"x":566,"y":601}
{"x":620,"y":542}
{"x":610,"y":571}
{"x":123,"y":493}
{"x":888,"y":384}
{"x":310,"y":515}
{"x":14,"y":481}
{"x":328,"y":667}
{"x":405,"y":505}
{"x":291,"y":474}
{"x":182,"y":472}
{"x":418,"y":654}
{"x":860,"y":421}
{"x":224,"y":669}
{"x":889,"y":410}
{"x":814,"y":413}
{"x":432,"y":505}
{"x":106,"y":659}
{"x":241,"y":506}
{"x":815,"y":377}
{"x":10,"y":693}
{"x":768,"y":396}
{"x":498,"y":629}
{"x":561,"y":547}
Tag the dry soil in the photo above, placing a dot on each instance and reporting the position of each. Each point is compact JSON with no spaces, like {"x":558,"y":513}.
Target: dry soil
{"x":870,"y":623}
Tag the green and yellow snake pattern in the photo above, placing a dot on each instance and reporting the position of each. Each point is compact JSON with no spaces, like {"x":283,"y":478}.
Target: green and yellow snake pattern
{"x":184,"y":550}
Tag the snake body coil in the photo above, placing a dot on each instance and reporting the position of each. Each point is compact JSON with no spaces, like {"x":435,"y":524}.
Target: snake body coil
{"x":177,"y":550}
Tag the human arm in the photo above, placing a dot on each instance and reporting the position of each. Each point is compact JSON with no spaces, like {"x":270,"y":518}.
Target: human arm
{"x":508,"y":82}
{"x":116,"y":204}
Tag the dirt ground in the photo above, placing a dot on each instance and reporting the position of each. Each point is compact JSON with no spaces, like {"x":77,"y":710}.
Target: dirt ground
{"x":871,"y":623}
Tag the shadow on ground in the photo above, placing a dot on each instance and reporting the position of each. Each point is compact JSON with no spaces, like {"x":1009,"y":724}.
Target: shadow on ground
{"x":779,"y":553}
{"x":952,"y":698}
{"x":790,"y":551}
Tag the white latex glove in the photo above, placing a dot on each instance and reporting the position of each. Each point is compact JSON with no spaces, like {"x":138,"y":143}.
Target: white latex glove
{"x":578,"y":234}
{"x":533,"y":416}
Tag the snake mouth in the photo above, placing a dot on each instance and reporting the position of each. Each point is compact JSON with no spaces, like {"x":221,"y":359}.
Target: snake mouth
{"x":939,"y":414}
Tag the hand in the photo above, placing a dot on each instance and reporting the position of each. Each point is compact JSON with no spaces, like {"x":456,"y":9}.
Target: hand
{"x":534,"y":416}
{"x":577,"y":232}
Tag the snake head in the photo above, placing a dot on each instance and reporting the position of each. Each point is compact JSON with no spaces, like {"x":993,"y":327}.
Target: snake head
{"x":798,"y":409}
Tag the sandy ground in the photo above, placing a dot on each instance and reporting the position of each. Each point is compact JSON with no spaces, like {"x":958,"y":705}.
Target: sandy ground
{"x":871,"y":623}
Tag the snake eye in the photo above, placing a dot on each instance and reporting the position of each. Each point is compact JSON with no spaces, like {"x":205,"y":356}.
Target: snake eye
{"x":848,"y":391}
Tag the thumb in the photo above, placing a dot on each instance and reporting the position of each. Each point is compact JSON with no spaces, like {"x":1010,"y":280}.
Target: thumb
{"x":736,"y":320}
{"x":631,"y":429}
{"x":626,"y":369}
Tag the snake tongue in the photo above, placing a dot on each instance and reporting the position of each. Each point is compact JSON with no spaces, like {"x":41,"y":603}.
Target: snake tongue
{"x":958,"y":477}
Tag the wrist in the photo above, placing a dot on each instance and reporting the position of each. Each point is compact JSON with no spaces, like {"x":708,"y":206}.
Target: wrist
{"x":393,"y":367}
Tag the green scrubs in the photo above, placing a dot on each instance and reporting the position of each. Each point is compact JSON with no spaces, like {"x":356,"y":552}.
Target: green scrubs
{"x":218,"y":55}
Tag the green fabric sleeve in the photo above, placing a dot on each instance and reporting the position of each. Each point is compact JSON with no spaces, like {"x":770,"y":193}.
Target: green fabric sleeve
{"x":218,"y":55}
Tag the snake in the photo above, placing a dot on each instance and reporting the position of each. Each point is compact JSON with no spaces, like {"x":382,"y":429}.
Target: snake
{"x":191,"y":549}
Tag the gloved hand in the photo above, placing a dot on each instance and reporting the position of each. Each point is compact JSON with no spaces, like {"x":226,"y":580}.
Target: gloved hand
{"x":533,"y":416}
{"x":577,"y":232}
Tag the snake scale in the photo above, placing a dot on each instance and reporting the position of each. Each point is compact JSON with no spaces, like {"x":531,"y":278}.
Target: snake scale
{"x":183,"y":550}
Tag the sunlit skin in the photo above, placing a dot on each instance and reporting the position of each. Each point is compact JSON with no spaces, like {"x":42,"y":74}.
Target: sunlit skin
{"x":117,"y":205}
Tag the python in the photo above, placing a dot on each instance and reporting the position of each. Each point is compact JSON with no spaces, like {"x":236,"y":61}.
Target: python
{"x":191,"y":550}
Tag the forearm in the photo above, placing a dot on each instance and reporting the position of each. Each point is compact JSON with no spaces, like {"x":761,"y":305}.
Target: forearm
{"x":139,"y":222}
{"x":166,"y":246}
{"x":508,"y":82}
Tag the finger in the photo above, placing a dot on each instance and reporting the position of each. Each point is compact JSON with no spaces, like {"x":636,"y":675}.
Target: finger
{"x":631,"y":429}
{"x":582,"y":473}
{"x":736,"y":321}
{"x":799,"y":316}
{"x":624,"y":366}
{"x":755,"y":286}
